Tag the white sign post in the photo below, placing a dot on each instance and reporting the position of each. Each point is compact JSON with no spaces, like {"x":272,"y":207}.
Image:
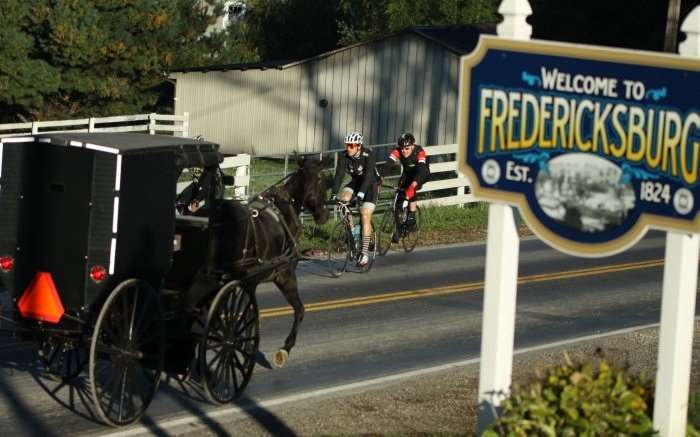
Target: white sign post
{"x":678,"y":303}
{"x":682,"y":242}
{"x":502,"y":252}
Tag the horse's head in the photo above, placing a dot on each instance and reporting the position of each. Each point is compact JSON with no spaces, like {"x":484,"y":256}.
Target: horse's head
{"x":309,"y":186}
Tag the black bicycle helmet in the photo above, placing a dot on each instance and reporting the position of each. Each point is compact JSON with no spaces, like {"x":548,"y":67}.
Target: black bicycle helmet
{"x":406,"y":139}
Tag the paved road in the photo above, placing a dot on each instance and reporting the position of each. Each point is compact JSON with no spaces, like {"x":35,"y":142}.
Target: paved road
{"x":410,"y":312}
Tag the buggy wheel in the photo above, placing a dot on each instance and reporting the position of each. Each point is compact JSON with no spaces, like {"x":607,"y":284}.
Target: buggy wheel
{"x":338,"y":249}
{"x":127,"y":352}
{"x":64,"y":358}
{"x":229,"y":342}
{"x":410,"y":238}
{"x":386,"y":229}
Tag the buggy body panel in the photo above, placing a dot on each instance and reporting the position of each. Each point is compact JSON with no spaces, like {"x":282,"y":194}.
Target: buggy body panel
{"x":69,"y":201}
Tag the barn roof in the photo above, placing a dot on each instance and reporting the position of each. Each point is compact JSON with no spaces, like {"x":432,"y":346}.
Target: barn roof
{"x":457,"y":39}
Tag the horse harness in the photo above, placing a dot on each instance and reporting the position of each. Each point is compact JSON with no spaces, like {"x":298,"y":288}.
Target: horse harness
{"x":265,"y":202}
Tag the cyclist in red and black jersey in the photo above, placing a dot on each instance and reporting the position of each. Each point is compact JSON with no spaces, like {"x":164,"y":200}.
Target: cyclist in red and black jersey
{"x":416,"y":172}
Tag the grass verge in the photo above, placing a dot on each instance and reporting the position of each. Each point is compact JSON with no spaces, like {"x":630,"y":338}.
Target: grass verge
{"x":447,"y":224}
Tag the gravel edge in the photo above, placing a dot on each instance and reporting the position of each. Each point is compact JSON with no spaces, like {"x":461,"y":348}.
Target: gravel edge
{"x":442,"y":403}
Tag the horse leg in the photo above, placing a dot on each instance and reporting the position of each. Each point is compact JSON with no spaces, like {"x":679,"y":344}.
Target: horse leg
{"x":287,"y":284}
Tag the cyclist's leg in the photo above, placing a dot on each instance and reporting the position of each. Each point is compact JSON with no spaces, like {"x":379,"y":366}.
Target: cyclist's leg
{"x":419,"y":180}
{"x":366,"y":211}
{"x":413,"y":204}
{"x":404,"y":182}
{"x":346,"y":193}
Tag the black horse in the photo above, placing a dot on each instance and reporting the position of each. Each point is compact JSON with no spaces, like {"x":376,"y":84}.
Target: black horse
{"x":265,"y":232}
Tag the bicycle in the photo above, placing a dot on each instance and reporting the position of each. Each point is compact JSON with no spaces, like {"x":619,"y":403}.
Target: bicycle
{"x":345,"y":242}
{"x":394,"y":221}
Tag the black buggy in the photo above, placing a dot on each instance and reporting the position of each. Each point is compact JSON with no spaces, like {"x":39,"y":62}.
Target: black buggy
{"x":103,"y":271}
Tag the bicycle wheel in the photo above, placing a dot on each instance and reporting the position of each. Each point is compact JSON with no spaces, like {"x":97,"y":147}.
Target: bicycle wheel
{"x":410,"y":238}
{"x":338,"y":249}
{"x":386,"y":229}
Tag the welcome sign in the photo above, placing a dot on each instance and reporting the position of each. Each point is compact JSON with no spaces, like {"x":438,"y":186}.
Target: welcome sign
{"x":594,"y":145}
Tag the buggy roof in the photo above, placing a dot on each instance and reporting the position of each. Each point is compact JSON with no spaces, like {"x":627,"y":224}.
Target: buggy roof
{"x":192,"y":152}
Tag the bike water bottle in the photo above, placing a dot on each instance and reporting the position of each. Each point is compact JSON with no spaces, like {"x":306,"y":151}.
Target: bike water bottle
{"x":356,"y":233}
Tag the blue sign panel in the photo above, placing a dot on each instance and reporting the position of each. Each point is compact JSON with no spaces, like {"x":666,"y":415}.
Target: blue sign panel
{"x":594,"y":145}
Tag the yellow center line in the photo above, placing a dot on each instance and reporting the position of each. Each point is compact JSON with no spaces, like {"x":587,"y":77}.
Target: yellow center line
{"x":458,"y":288}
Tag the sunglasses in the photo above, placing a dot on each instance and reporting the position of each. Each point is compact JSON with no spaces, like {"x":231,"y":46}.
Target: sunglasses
{"x":351,"y":145}
{"x":406,"y":147}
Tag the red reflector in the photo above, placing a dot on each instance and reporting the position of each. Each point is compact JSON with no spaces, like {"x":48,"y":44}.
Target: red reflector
{"x":40,"y":300}
{"x":7,"y":263}
{"x":98,"y":274}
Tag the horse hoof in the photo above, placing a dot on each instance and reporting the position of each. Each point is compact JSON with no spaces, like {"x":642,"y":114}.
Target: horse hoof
{"x":281,"y":358}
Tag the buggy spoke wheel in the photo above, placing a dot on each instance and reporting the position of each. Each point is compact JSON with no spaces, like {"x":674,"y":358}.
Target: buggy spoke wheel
{"x":127,"y":352}
{"x":64,"y":358}
{"x":338,"y":249}
{"x":229,"y":343}
{"x":386,"y":229}
{"x":410,"y":238}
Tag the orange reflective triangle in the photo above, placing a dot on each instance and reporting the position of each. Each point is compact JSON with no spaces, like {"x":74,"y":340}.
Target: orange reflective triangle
{"x":40,"y":300}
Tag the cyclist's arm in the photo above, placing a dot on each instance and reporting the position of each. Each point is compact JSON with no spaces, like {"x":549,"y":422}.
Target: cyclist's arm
{"x":339,"y":173}
{"x":391,"y":161}
{"x":369,"y":178}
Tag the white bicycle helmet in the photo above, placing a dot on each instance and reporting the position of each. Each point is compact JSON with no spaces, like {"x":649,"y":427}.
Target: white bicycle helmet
{"x":353,"y":138}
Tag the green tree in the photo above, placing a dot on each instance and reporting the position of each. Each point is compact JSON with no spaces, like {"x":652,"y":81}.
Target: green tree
{"x":101,"y":57}
{"x":286,"y":29}
{"x":24,"y":78}
{"x":365,"y":19}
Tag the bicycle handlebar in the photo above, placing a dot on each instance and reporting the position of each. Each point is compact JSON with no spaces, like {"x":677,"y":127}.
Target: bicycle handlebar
{"x":351,"y":204}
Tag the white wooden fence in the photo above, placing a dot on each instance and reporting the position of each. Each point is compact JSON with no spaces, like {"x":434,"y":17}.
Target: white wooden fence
{"x":178,"y":125}
{"x":460,"y":182}
{"x":441,"y":158}
{"x":153,"y":123}
{"x":241,"y":167}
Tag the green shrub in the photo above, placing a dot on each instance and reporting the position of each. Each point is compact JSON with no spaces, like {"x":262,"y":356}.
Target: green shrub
{"x":578,"y":400}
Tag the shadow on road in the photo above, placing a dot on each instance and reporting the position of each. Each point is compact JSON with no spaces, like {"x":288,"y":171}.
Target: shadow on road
{"x":316,"y":266}
{"x":209,"y":416}
{"x":265,"y":418}
{"x":32,"y":424}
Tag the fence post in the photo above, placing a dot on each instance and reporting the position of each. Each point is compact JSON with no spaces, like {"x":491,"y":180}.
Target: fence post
{"x":241,"y":191}
{"x":186,"y":124}
{"x":460,"y":190}
{"x":286,"y":165}
{"x":35,"y":127}
{"x":501,"y":277}
{"x":152,"y":123}
{"x":91,"y":124}
{"x":677,"y":302}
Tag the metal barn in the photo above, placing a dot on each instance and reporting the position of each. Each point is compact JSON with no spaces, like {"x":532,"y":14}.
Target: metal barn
{"x":404,"y":81}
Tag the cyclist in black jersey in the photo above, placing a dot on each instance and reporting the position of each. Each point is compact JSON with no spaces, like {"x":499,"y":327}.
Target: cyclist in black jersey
{"x":415,"y":173}
{"x":359,"y":163}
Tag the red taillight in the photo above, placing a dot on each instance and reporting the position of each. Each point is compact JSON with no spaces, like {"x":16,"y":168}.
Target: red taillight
{"x":7,"y":263}
{"x":98,"y":274}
